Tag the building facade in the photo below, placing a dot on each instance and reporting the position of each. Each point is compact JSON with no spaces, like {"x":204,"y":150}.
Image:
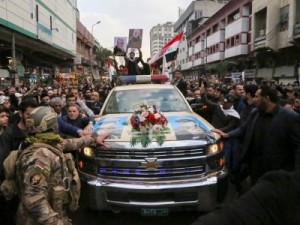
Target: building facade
{"x":224,"y":36}
{"x":37,"y":39}
{"x":276,"y":39}
{"x":194,"y":16}
{"x":248,"y":40}
{"x":85,"y":60}
{"x":160,"y":35}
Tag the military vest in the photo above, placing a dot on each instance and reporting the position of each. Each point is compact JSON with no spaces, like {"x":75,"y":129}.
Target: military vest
{"x":68,"y":192}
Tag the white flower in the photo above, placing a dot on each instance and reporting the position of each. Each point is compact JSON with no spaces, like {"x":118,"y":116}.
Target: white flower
{"x":156,"y":115}
{"x":157,"y":128}
{"x":144,"y":114}
{"x":141,"y":118}
{"x":150,"y":110}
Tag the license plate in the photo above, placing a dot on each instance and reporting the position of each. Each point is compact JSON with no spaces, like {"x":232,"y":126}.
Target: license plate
{"x":154,"y":212}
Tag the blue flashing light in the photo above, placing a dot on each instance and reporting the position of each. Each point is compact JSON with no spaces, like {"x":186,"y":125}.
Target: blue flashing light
{"x":162,"y":172}
{"x":127,"y":79}
{"x":143,"y":79}
{"x":126,"y":171}
{"x":101,"y":170}
{"x":138,"y":172}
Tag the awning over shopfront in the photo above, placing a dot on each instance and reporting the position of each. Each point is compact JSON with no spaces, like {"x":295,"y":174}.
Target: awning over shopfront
{"x":4,"y":73}
{"x":265,"y":73}
{"x":284,"y":71}
{"x":287,"y":80}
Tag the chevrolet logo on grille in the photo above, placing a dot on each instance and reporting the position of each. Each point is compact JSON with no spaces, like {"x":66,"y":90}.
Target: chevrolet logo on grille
{"x":150,"y":163}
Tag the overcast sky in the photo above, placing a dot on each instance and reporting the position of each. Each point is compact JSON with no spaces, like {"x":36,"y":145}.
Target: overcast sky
{"x":118,"y":16}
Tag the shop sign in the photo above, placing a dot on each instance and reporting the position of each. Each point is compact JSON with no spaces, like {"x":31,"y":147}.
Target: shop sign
{"x":44,"y":33}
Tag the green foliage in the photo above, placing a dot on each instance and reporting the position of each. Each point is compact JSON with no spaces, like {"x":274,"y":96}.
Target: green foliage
{"x":101,"y":56}
{"x":160,"y":139}
{"x":133,"y":141}
{"x":145,"y":140}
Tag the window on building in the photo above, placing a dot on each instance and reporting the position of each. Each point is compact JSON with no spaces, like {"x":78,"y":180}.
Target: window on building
{"x":208,"y":32}
{"x":237,"y":39}
{"x":232,"y":41}
{"x":37,"y":13}
{"x":228,"y":43}
{"x":198,"y":14}
{"x":233,"y":16}
{"x":215,"y":28}
{"x":51,"y":22}
{"x":284,"y":18}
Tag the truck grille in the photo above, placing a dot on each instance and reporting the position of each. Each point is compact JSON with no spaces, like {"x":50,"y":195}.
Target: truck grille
{"x":151,"y":164}
{"x":143,"y":153}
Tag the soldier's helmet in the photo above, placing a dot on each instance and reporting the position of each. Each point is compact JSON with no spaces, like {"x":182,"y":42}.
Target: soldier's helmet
{"x":41,"y":119}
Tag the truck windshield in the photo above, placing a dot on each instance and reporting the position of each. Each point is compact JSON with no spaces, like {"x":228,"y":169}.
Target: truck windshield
{"x":127,"y":101}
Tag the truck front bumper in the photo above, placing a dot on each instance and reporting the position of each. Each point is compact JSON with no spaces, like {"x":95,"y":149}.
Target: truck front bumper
{"x":200,"y":194}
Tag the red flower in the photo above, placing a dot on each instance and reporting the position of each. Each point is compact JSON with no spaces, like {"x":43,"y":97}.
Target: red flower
{"x":151,"y":118}
{"x":134,"y":122}
{"x":163,"y":120}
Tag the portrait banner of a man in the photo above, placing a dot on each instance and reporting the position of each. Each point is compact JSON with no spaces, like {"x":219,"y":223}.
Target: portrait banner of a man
{"x":135,"y":38}
{"x":120,"y":44}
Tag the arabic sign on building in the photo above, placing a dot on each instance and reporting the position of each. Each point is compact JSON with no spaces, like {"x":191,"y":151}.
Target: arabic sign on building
{"x":44,"y":33}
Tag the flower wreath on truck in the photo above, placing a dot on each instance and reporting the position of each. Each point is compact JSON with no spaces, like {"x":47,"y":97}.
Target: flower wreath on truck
{"x":148,"y":123}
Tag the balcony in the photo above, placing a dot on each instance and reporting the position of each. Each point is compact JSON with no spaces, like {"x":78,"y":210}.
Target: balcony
{"x":297,"y":29}
{"x":260,"y":40}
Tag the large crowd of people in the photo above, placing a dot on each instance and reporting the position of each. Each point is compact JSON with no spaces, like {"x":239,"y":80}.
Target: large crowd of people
{"x":260,"y":127}
{"x":259,"y":123}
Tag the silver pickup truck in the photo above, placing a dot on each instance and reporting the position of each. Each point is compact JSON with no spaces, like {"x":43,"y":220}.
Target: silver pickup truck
{"x":179,"y":167}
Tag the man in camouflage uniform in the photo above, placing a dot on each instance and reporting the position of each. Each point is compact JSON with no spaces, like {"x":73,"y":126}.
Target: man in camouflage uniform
{"x":46,"y":177}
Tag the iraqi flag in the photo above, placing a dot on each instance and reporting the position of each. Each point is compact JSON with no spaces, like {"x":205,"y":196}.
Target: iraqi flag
{"x":110,"y":70}
{"x":169,"y":50}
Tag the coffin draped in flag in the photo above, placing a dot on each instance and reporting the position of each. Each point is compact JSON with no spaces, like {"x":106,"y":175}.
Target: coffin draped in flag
{"x":169,"y":50}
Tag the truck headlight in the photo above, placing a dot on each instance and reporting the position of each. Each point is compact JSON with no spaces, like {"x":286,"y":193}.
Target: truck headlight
{"x":214,"y":148}
{"x":88,"y":151}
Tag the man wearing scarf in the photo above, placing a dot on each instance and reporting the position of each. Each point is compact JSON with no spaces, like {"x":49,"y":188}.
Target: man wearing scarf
{"x":47,"y":180}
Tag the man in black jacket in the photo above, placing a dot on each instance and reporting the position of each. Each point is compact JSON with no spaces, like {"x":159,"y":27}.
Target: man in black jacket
{"x":146,"y":67}
{"x":179,"y":82}
{"x":12,"y":139}
{"x":132,"y":63}
{"x":14,"y":135}
{"x":274,"y":200}
{"x":271,"y":136}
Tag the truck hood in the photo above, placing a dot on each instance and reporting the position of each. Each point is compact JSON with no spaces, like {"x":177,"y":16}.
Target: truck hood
{"x":181,"y":126}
